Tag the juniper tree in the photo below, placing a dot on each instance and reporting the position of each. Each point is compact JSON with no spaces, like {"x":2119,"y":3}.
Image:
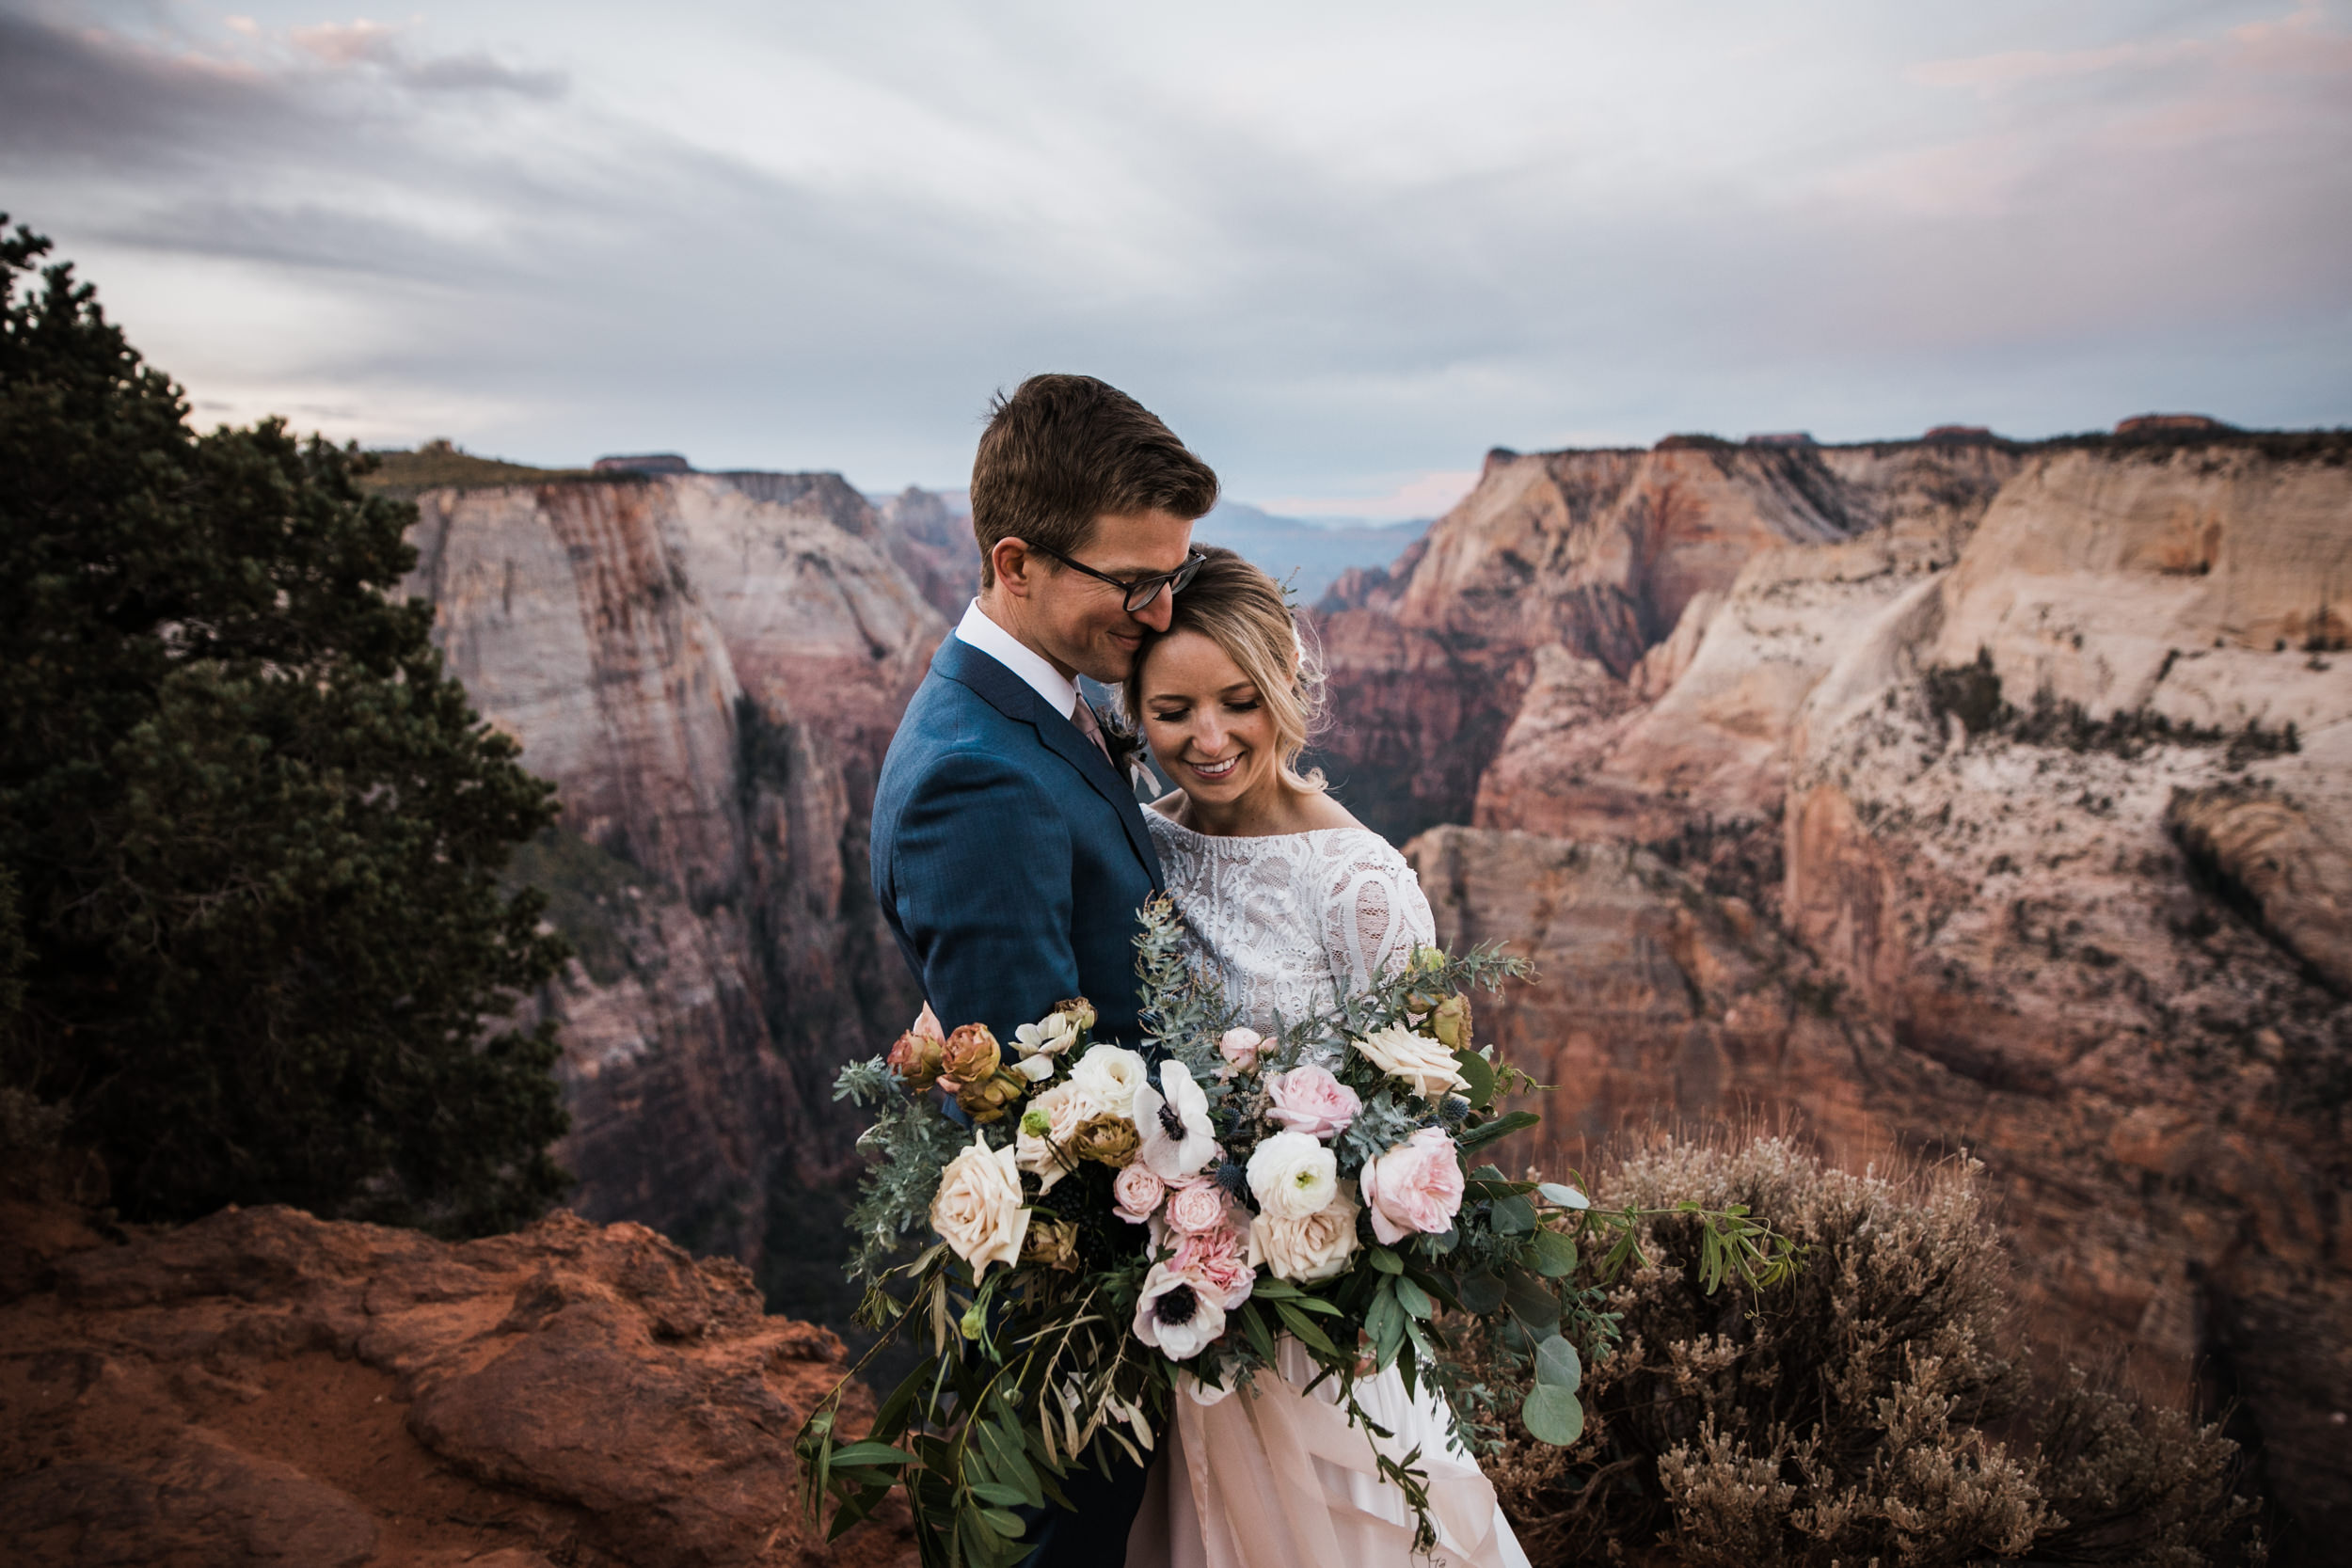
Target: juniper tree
{"x":255,"y":830}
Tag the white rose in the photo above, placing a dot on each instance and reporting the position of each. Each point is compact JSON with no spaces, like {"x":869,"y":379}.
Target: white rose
{"x":977,"y":1210}
{"x":1292,"y":1176}
{"x":1112,"y":1074}
{"x":1047,"y":1123}
{"x":1421,"y":1062}
{"x":1308,"y":1250}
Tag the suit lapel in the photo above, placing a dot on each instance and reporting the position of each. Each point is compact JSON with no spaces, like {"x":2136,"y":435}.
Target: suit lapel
{"x":958,"y":661}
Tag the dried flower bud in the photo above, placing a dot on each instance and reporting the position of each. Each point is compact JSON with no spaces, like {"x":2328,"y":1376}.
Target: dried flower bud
{"x":1052,"y":1243}
{"x":1107,"y":1139}
{"x":991,"y":1098}
{"x":1451,"y":1022}
{"x":1080,"y":1012}
{"x":971,"y":1056}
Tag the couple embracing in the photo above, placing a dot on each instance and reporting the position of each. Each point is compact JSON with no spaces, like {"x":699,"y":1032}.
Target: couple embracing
{"x":1011,"y":854}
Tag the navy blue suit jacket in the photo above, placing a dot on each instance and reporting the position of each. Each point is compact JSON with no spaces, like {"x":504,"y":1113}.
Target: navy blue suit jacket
{"x":1009,"y":856}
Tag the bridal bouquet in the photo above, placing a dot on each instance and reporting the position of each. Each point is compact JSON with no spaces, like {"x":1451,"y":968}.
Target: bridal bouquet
{"x":1103,"y":1230}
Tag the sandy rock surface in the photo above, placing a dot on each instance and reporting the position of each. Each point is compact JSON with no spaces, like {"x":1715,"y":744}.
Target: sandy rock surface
{"x":266,"y":1387}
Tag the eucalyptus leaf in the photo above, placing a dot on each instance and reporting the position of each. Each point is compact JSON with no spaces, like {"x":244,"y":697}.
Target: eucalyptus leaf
{"x":1481,"y":1293}
{"x":1412,"y":1298}
{"x":1514,"y":1217}
{"x":1532,"y":1303}
{"x":1557,"y":1364}
{"x":1387,"y":1261}
{"x":1479,"y":1074}
{"x":1566,"y":1197}
{"x":1551,"y":1255}
{"x":1552,"y":1415}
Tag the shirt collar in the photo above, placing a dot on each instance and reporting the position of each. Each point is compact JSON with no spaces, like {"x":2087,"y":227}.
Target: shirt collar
{"x":977,"y":629}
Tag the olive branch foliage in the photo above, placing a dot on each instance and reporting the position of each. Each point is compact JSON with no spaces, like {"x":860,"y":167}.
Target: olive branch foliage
{"x":1032,"y":1370}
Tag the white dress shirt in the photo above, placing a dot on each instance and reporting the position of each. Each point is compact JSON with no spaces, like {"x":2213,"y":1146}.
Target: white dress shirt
{"x":1059,"y":691}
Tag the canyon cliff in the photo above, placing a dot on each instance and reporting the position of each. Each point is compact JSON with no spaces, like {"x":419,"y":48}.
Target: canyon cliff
{"x":710,"y":668}
{"x":1993,"y":800}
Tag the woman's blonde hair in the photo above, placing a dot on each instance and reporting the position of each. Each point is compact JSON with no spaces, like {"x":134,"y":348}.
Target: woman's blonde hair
{"x":1240,"y":608}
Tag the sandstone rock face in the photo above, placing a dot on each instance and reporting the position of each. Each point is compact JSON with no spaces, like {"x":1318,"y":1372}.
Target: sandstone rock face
{"x":1990,"y":834}
{"x":1598,"y":553}
{"x":262,"y":1386}
{"x":931,"y":541}
{"x":710,"y":669}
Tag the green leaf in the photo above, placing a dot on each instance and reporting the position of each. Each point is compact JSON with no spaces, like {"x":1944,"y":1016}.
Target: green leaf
{"x":1502,"y":1127}
{"x":1387,"y":1261}
{"x":1556,"y":1364}
{"x":1514,"y":1217}
{"x":1479,"y":1074}
{"x":870,"y":1453}
{"x":997,"y":1492}
{"x":1481,"y":1293}
{"x":1566,"y":1197}
{"x":1304,"y":1326}
{"x":1532,"y":1303}
{"x":1003,"y":1522}
{"x":1260,"y":1337}
{"x":1385,"y":1323}
{"x":1552,"y":1415}
{"x":1550,"y":1254}
{"x":1412,"y":1298}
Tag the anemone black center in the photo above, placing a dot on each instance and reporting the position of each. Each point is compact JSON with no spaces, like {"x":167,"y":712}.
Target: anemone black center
{"x":1170,"y":1123}
{"x":1177,"y":1306}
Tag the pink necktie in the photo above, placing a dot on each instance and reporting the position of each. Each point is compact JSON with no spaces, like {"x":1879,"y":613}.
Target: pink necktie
{"x":1092,"y":727}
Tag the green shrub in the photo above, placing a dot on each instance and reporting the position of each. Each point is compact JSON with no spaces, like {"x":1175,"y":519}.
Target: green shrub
{"x":1869,"y":1409}
{"x":256,"y":831}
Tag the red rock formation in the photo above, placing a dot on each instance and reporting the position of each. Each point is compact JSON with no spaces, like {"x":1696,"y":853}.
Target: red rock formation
{"x":262,"y":1386}
{"x":931,"y":541}
{"x":710,"y":678}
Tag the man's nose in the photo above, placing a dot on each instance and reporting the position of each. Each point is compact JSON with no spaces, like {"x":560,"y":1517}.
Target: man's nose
{"x":1158,"y":612}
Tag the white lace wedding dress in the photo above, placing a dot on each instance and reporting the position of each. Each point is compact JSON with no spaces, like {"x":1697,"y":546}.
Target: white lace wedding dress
{"x":1273,"y":1478}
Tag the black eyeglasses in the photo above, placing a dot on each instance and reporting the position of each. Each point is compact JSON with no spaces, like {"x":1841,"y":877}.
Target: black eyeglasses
{"x":1140,"y":591}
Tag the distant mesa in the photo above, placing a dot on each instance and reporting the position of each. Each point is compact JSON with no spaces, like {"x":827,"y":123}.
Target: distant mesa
{"x":647,"y":463}
{"x":2158,"y":424}
{"x":1957,"y":433}
{"x":1690,"y":440}
{"x":1783,"y":438}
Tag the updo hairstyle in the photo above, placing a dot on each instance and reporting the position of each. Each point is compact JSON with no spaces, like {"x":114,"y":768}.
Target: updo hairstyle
{"x":1240,"y":608}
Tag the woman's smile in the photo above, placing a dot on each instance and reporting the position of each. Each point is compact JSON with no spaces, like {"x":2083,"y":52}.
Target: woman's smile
{"x":1213,"y":771}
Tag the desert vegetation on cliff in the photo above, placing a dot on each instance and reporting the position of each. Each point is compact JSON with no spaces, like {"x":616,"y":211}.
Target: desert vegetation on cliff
{"x":256,"y":830}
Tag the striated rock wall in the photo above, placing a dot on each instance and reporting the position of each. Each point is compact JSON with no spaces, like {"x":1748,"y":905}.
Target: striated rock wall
{"x":1599,"y":554}
{"x":709,"y":670}
{"x":2011,"y":825}
{"x":262,"y":1386}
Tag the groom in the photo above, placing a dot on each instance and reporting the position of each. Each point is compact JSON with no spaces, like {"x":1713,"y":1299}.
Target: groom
{"x":1010,"y":855}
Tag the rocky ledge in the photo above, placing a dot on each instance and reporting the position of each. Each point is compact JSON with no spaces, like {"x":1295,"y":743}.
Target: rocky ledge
{"x":266,"y":1387}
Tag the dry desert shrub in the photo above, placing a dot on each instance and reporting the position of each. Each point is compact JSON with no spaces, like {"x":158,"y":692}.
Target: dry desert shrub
{"x":1856,"y":1414}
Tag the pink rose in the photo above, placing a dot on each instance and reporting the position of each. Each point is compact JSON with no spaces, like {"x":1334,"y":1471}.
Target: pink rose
{"x":1240,"y":1047}
{"x":1196,"y":1207}
{"x":1217,"y":1264}
{"x":1137,"y":1192}
{"x":1416,"y":1186}
{"x":1309,"y":1100}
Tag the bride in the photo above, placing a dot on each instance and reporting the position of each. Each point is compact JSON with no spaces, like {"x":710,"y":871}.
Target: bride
{"x":1290,"y":900}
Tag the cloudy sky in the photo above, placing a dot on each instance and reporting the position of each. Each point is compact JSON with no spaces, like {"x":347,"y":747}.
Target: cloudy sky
{"x":1342,"y":247}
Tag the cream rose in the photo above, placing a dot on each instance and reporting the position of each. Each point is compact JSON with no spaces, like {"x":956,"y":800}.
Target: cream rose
{"x":977,"y":1210}
{"x":1312,"y":1248}
{"x":1418,"y":1060}
{"x":1292,"y":1176}
{"x":1112,"y":1074}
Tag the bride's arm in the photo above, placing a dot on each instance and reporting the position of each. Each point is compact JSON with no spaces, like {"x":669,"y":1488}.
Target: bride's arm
{"x":1374,"y":918}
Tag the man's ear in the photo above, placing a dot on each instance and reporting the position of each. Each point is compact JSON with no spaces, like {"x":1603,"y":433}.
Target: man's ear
{"x":1015,"y":566}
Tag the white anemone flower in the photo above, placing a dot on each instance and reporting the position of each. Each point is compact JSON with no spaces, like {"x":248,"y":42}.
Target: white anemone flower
{"x":1175,"y":1317}
{"x":1174,"y":1122}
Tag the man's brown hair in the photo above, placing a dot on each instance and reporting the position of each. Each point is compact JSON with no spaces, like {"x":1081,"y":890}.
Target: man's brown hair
{"x":1064,"y":450}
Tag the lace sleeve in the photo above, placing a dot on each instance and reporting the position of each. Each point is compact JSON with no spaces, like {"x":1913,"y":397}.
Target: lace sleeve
{"x":1375,"y":915}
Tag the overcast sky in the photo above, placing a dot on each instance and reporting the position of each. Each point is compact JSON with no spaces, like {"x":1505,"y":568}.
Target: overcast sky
{"x":1342,"y":248}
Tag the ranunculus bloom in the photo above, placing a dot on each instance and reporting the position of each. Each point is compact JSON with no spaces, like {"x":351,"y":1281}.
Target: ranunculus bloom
{"x":1174,"y":1121}
{"x":1138,"y":1193}
{"x":1111,"y":1073}
{"x":1240,"y":1047}
{"x":1417,"y":1059}
{"x":1416,"y":1187}
{"x":971,"y":1056}
{"x":1292,"y":1176}
{"x":1175,"y":1316}
{"x":977,"y":1210}
{"x":1304,"y":1250}
{"x":1198,"y":1206}
{"x":1309,"y":1100}
{"x":916,"y":1056}
{"x":1217,"y":1260}
{"x":1105,"y":1138}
